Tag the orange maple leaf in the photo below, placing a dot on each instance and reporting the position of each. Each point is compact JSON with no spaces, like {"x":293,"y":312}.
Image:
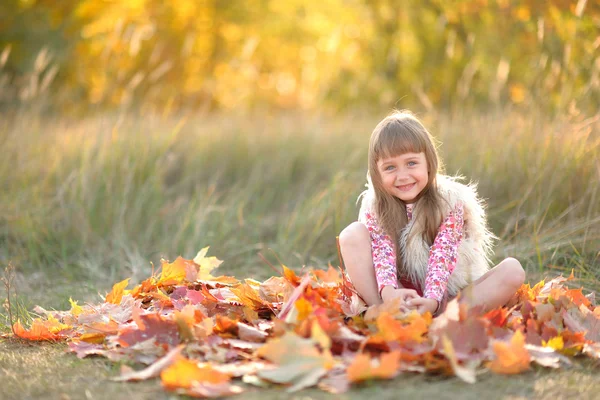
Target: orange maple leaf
{"x":41,"y":330}
{"x":291,"y":276}
{"x":184,"y":373}
{"x":363,"y":367}
{"x":412,"y":329}
{"x":577,"y":297}
{"x":175,"y":273}
{"x":116,"y":294}
{"x":511,"y":358}
{"x":248,"y":296}
{"x":330,"y":276}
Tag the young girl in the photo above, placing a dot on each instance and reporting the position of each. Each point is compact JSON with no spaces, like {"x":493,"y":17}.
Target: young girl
{"x":421,"y":236}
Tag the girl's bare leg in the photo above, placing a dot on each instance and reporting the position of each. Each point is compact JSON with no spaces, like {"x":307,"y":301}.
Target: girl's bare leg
{"x":497,"y":286}
{"x":355,"y":245}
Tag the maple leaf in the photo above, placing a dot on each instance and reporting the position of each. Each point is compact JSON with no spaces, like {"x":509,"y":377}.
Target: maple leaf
{"x":152,"y":370}
{"x":578,"y":298}
{"x":176,"y":272}
{"x":250,"y":333}
{"x":546,"y":356}
{"x":275,"y":289}
{"x":207,"y":264}
{"x":497,"y":317}
{"x":249,"y":296}
{"x":466,"y":373}
{"x":391,"y":307}
{"x":116,"y":294}
{"x":363,"y":367}
{"x":329,"y":276}
{"x":289,"y":304}
{"x":353,"y":305}
{"x":555,"y":343}
{"x":581,"y":319}
{"x":291,"y":276}
{"x":186,"y":376}
{"x":84,"y":349}
{"x":40,"y":330}
{"x":299,"y":362}
{"x":466,"y":330}
{"x":512,"y":357}
{"x":75,"y":308}
{"x":411,"y":329}
{"x":149,"y":326}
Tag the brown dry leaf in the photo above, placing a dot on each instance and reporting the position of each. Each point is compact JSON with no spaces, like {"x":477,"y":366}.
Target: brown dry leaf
{"x":250,"y":333}
{"x":511,"y":358}
{"x":467,"y":374}
{"x":299,"y":362}
{"x":391,"y":307}
{"x":547,"y":357}
{"x":275,"y":289}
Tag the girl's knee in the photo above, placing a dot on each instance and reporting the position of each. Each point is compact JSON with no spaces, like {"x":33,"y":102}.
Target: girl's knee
{"x":513,"y":273}
{"x":354,"y":234}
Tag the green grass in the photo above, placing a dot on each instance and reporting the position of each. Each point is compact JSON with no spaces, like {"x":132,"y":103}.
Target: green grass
{"x":86,"y":203}
{"x":46,"y":371}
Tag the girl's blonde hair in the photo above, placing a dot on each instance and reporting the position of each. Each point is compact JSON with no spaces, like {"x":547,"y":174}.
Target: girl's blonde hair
{"x":399,"y":133}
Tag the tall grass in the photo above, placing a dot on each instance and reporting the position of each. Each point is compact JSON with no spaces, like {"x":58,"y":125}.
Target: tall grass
{"x":101,"y":197}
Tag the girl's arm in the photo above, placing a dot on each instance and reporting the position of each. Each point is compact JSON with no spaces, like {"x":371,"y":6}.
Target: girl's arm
{"x":384,"y":254}
{"x":443,"y":255}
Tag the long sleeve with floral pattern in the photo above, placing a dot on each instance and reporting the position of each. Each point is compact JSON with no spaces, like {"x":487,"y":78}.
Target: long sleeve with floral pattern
{"x":384,"y":254}
{"x":442,"y":254}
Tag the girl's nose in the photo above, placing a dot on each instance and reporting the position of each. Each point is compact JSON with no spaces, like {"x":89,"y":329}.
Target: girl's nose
{"x":401,"y":176}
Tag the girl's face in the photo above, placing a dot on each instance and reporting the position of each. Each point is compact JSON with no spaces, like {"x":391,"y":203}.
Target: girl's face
{"x":404,"y":176}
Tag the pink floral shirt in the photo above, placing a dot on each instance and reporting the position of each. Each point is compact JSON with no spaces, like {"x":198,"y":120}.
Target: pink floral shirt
{"x":442,"y":254}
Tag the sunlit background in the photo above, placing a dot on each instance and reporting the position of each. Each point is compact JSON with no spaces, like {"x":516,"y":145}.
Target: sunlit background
{"x":140,"y":129}
{"x":293,"y":54}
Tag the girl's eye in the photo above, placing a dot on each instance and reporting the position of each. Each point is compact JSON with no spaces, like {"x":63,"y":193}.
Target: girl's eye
{"x":389,"y":167}
{"x":411,"y":163}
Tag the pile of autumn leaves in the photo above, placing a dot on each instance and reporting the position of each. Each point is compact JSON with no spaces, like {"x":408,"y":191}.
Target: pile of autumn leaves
{"x":199,"y":333}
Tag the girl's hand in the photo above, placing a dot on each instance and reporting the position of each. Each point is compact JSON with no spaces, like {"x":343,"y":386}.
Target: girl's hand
{"x":389,"y":292}
{"x":423,"y":304}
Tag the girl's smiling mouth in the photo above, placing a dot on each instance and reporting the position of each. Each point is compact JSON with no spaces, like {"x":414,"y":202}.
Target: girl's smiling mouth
{"x":406,"y":188}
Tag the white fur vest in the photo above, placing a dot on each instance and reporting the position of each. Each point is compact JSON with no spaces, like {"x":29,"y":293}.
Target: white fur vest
{"x":474,"y":250}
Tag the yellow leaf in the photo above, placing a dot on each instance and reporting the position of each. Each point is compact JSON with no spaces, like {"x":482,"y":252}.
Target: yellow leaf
{"x":116,"y":294}
{"x":318,"y":335}
{"x":92,"y":337}
{"x":75,"y":309}
{"x":207,"y":264}
{"x":174,"y":273}
{"x":556,"y":343}
{"x":304,"y":309}
{"x":184,"y":373}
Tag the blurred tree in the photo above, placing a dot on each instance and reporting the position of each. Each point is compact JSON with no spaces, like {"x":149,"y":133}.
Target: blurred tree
{"x":300,"y":54}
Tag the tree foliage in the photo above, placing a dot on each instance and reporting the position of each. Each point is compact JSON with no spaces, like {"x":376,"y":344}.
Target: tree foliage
{"x":299,"y":54}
